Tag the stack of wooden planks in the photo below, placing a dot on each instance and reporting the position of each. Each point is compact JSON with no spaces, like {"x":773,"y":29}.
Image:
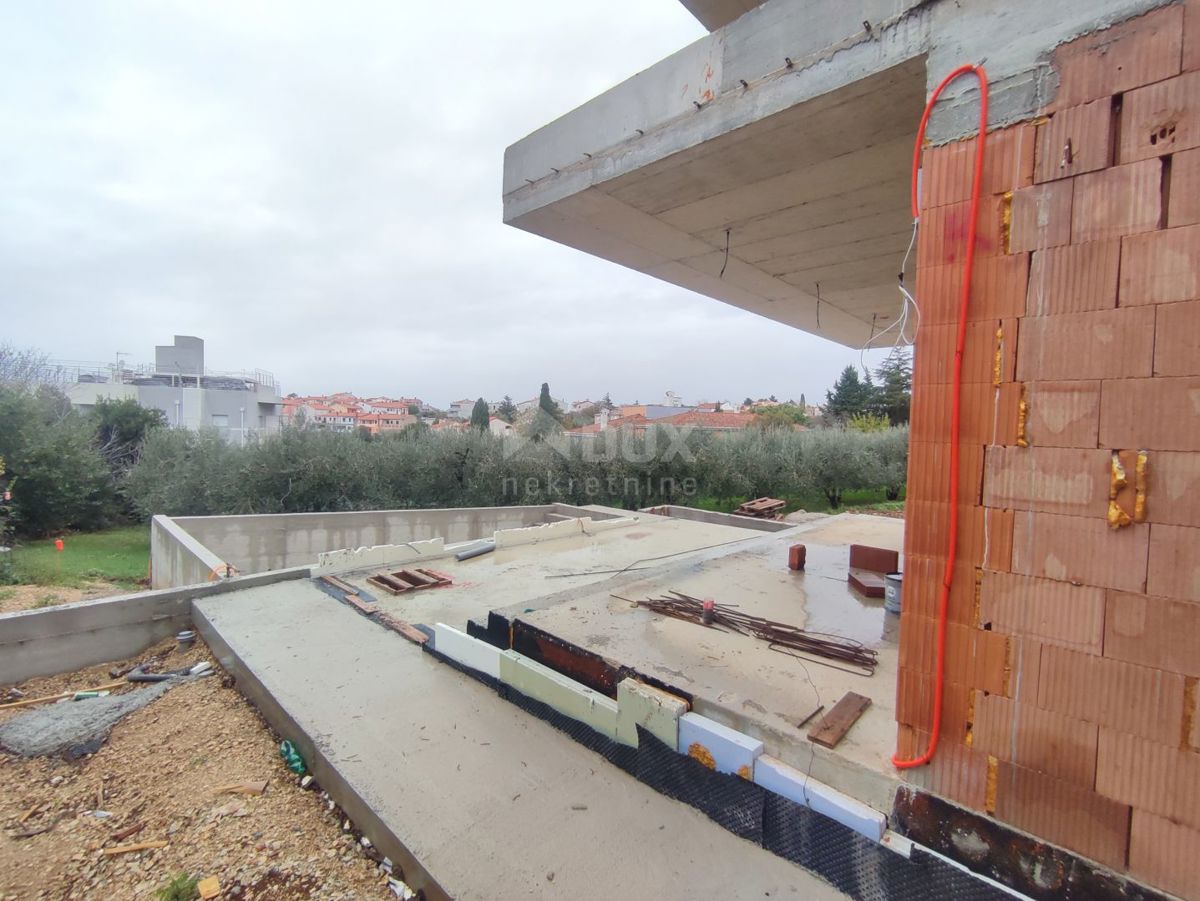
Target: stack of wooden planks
{"x":762,"y":508}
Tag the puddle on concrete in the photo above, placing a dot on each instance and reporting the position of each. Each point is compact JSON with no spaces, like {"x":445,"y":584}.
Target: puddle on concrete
{"x":831,"y":605}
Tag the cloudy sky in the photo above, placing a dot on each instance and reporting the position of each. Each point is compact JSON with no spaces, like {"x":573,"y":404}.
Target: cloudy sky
{"x":314,"y":189}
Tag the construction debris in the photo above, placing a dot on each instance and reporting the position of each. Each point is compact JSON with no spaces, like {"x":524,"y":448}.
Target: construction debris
{"x":762,"y":508}
{"x":403,"y":580}
{"x":256,"y":787}
{"x":868,"y":566}
{"x":60,"y":727}
{"x":407,"y":630}
{"x":819,"y":647}
{"x":121,"y":834}
{"x":30,"y":702}
{"x":837,"y":722}
{"x":136,"y":846}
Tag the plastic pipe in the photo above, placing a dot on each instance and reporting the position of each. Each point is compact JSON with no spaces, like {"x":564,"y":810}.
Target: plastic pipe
{"x":477,"y":551}
{"x":956,"y":389}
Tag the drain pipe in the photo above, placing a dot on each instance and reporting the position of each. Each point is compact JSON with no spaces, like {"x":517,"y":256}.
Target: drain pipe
{"x":484,"y":547}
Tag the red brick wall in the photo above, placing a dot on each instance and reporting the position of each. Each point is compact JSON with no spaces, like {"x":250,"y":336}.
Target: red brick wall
{"x":1073,"y":647}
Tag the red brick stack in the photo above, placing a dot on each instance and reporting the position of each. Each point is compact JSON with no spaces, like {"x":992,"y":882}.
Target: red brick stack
{"x":1073,"y":646}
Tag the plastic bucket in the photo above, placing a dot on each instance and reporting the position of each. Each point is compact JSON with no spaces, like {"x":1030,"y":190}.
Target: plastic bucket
{"x":893,"y":585}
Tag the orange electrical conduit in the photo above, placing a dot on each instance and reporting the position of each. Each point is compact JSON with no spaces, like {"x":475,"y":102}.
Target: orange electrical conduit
{"x":956,"y":408}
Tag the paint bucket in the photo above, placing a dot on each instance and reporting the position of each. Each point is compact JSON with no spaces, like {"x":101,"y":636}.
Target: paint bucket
{"x":893,"y":583}
{"x":185,"y":639}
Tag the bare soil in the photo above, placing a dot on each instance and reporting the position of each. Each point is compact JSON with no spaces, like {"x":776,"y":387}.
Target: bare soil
{"x":32,"y":597}
{"x":161,"y":768}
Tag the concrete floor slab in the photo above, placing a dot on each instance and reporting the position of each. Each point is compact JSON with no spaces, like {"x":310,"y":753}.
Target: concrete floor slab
{"x":483,"y":796}
{"x":519,"y":576}
{"x":739,"y":681}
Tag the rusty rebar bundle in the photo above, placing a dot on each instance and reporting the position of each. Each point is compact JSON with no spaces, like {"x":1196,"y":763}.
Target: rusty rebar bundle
{"x":820,"y":647}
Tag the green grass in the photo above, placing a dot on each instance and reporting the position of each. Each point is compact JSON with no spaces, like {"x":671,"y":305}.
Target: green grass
{"x":181,"y":887}
{"x":121,"y":556}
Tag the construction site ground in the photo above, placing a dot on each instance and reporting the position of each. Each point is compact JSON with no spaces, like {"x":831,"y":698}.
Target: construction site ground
{"x":161,"y":766}
{"x":35,"y":597}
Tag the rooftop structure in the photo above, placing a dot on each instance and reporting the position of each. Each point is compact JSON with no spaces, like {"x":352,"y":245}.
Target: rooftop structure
{"x":239,"y":405}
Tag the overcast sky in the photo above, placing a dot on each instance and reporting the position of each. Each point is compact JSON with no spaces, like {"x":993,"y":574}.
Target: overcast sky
{"x":314,"y":189}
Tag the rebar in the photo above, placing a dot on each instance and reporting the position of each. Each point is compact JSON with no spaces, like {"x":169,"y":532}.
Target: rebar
{"x":785,"y":638}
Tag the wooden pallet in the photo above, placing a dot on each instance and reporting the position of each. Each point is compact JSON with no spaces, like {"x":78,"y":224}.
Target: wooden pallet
{"x":402,"y":580}
{"x":762,"y":508}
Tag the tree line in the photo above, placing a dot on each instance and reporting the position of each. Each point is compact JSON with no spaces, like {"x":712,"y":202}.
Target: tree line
{"x":305,"y":470}
{"x":62,"y":469}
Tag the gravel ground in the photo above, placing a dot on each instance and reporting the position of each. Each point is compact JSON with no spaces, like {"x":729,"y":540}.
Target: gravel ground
{"x":161,"y":767}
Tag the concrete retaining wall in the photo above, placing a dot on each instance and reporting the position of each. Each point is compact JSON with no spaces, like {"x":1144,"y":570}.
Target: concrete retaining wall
{"x":62,"y":639}
{"x":719,"y":519}
{"x":276,"y":541}
{"x":177,"y":558}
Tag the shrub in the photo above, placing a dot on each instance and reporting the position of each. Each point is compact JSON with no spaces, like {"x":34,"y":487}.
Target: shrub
{"x":302,"y":470}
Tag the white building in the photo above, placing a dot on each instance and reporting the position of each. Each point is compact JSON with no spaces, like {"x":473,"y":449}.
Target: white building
{"x":240,"y":405}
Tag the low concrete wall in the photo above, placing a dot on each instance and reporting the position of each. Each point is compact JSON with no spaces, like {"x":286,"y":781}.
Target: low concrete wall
{"x":350,"y":559}
{"x":719,"y":519}
{"x":177,"y":558}
{"x":260,"y":543}
{"x":70,"y":637}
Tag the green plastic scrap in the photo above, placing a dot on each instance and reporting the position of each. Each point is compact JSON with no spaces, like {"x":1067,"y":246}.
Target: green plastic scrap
{"x":292,"y":758}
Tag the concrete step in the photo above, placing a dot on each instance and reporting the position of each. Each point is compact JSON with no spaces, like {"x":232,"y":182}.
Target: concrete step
{"x":472,"y":796}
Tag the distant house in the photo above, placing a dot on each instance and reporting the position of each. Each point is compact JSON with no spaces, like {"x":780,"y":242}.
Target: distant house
{"x":709,"y":421}
{"x":377,"y":423}
{"x":690,"y":419}
{"x":336,"y":418}
{"x":652,"y":411}
{"x":498,"y":426}
{"x":461,"y":409}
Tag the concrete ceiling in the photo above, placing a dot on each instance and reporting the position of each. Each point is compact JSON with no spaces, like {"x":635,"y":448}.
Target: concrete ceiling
{"x":813,"y":201}
{"x":714,"y":14}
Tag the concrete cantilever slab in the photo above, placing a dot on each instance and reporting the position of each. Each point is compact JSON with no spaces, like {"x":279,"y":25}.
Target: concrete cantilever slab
{"x":766,"y":164}
{"x":473,"y":796}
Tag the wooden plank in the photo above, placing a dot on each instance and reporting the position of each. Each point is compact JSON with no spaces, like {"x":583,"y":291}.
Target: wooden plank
{"x":441,"y":577}
{"x":107,"y":686}
{"x":388,"y":584}
{"x":413,"y":634}
{"x":837,"y":722}
{"x":415,"y":577}
{"x":339,"y":584}
{"x":138,"y":846}
{"x":358,"y":604}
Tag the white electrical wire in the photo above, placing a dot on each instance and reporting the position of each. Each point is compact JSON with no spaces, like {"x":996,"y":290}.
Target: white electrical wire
{"x":907,"y":302}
